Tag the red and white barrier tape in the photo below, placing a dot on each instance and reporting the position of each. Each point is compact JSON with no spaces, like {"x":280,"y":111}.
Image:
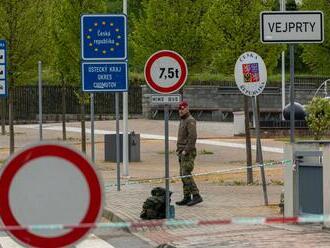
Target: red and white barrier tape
{"x":179,"y":223}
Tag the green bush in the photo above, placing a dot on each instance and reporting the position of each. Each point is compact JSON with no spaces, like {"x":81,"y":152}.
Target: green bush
{"x":318,"y":116}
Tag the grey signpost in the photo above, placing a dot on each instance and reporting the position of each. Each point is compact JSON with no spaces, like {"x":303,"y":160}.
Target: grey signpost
{"x":40,"y":98}
{"x":292,"y":95}
{"x":92,"y":128}
{"x":167,"y":101}
{"x":117,"y":140}
{"x":292,"y":28}
{"x":283,"y":8}
{"x":167,"y":165}
{"x":166,"y":72}
{"x":259,"y":156}
{"x":125,"y":119}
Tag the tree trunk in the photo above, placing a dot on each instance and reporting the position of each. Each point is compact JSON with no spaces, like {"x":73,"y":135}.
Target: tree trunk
{"x":63,"y":111}
{"x":248,"y":141}
{"x":3,"y":116}
{"x":83,"y":128}
{"x":11,"y":121}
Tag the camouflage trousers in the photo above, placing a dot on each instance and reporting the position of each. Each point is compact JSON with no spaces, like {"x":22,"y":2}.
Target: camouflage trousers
{"x":186,"y":167}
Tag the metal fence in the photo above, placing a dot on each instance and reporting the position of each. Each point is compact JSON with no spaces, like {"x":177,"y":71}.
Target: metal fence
{"x":26,"y":99}
{"x":26,"y":102}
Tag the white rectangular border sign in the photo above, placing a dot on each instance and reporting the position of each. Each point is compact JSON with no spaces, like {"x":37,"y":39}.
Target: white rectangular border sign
{"x":292,"y":27}
{"x":165,"y":99}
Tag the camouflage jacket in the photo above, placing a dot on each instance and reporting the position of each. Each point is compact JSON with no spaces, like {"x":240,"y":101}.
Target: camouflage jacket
{"x":187,"y":135}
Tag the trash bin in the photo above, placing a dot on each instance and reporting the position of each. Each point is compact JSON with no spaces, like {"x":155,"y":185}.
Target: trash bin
{"x":309,"y":181}
{"x":304,"y":181}
{"x":110,"y":150}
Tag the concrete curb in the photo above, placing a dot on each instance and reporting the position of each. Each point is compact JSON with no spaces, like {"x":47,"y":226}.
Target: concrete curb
{"x":112,"y":217}
{"x":109,"y":215}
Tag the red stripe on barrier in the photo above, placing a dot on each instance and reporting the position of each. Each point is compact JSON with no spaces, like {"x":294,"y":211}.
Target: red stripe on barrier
{"x":282,"y":220}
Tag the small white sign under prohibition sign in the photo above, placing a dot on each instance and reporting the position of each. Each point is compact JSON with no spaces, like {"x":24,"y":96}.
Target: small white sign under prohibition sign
{"x":250,"y":74}
{"x":49,"y":184}
{"x":165,"y":71}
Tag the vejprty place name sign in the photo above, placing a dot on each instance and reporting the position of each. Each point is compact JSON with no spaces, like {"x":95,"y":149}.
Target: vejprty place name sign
{"x":292,"y":27}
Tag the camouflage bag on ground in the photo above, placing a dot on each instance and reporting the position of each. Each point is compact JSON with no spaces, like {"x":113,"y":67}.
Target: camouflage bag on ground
{"x":155,"y":206}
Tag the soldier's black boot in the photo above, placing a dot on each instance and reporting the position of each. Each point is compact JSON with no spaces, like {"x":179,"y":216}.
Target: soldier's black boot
{"x":196,"y":199}
{"x":184,"y":201}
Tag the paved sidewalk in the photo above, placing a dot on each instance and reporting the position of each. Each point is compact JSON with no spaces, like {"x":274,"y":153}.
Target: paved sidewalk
{"x":220,"y":202}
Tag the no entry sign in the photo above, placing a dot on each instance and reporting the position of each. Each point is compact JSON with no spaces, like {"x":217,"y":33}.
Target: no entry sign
{"x":165,"y":71}
{"x":49,"y":184}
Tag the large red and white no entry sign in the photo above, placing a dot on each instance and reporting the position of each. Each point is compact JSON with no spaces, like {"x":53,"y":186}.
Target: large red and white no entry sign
{"x":165,"y":71}
{"x":49,"y":184}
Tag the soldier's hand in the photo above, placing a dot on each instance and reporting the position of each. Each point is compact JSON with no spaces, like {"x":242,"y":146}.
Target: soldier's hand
{"x":184,"y":153}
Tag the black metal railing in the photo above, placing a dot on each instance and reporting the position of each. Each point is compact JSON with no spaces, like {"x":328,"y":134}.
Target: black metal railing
{"x":26,"y":102}
{"x":282,"y":124}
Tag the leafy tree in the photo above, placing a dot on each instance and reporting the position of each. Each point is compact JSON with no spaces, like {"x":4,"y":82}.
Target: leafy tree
{"x":167,"y":24}
{"x":317,"y":56}
{"x":318,"y":117}
{"x":66,"y":42}
{"x":135,"y":7}
{"x":22,"y":25}
{"x":115,"y":6}
{"x":289,"y":5}
{"x":230,"y":28}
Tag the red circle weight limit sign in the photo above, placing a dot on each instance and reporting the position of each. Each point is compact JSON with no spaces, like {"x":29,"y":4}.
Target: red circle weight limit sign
{"x":49,"y":184}
{"x":165,"y":71}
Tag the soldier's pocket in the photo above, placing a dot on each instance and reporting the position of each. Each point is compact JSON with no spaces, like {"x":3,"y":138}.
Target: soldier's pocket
{"x":185,"y":157}
{"x":188,"y":163}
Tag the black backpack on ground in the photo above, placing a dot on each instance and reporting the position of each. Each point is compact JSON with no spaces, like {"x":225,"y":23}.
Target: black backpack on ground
{"x":155,"y":205}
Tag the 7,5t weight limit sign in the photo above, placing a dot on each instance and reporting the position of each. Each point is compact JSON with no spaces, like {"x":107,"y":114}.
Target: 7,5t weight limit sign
{"x":165,"y":71}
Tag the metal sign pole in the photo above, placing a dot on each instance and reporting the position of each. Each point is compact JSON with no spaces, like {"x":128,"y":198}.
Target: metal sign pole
{"x":283,"y":8}
{"x":40,"y":99}
{"x":117,"y":141}
{"x":259,"y":157}
{"x":254,"y":109}
{"x":92,"y":128}
{"x":283,"y":82}
{"x":167,"y":169}
{"x":292,"y":117}
{"x":125,"y":119}
{"x":249,"y":170}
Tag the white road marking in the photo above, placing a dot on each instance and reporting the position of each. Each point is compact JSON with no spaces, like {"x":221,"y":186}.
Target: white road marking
{"x":94,"y":242}
{"x":91,"y":242}
{"x":8,"y":242}
{"x":156,"y":137}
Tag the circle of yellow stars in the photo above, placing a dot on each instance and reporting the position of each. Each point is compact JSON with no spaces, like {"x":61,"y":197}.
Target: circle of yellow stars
{"x":103,"y":23}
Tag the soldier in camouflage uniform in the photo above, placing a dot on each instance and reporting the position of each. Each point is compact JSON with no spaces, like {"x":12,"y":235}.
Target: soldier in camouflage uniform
{"x":186,"y":151}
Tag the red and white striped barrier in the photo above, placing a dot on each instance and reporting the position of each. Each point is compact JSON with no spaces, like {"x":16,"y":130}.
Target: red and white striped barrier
{"x":179,"y":223}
